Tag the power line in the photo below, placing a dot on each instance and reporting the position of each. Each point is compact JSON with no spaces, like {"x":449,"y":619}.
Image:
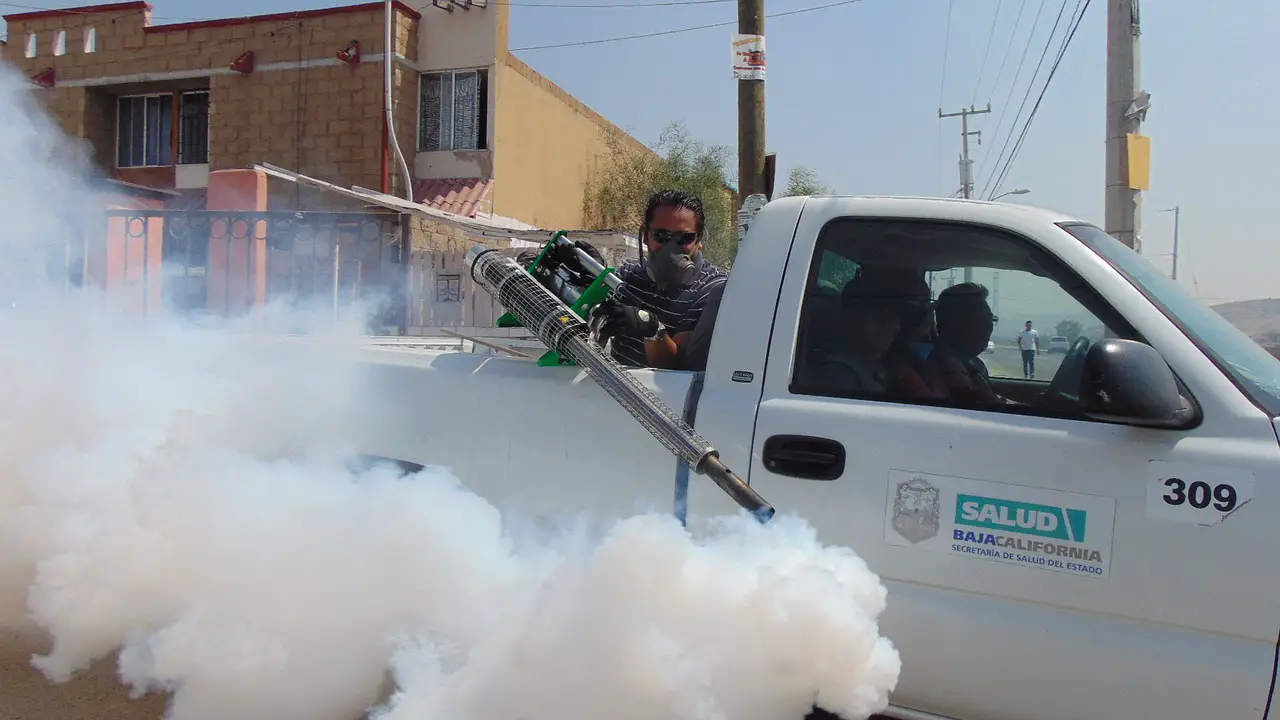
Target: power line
{"x":983,"y":67}
{"x":1052,"y":70}
{"x":1031,"y":83}
{"x":676,"y":31}
{"x":608,"y":6}
{"x":942,"y":89}
{"x":995,"y":178}
{"x":1013,"y":86}
{"x":946,"y":48}
{"x":1017,"y":23}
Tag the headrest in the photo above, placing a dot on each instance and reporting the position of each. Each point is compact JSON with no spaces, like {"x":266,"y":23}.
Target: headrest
{"x":894,"y":284}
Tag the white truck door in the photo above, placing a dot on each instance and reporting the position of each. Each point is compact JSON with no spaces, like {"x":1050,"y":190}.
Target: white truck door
{"x":1035,"y":568}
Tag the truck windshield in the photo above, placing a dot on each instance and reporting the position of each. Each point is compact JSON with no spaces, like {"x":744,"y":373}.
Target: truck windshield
{"x":1252,"y":368}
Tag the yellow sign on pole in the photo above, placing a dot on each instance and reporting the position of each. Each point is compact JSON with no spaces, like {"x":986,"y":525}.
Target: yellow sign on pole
{"x":1139,"y":162}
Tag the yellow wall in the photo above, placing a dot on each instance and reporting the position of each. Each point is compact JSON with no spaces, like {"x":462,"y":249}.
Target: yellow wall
{"x":546,"y":144}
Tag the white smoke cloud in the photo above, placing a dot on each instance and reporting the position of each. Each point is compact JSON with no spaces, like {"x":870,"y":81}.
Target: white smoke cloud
{"x":185,"y":497}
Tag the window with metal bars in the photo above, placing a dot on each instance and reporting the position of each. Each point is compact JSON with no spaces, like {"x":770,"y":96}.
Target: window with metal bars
{"x":453,"y":110}
{"x":193,"y":128}
{"x":145,"y":129}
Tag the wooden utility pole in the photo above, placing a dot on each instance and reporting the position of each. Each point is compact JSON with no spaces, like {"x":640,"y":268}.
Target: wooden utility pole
{"x":1127,"y":150}
{"x":751,"y":163}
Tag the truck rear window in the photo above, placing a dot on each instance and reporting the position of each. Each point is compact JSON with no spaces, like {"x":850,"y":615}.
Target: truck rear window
{"x":835,"y":270}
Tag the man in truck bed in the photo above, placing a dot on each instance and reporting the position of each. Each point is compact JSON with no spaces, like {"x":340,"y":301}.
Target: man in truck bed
{"x":653,"y":317}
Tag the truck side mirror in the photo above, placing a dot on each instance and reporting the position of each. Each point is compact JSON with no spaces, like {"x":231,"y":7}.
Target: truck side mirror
{"x":1128,"y":381}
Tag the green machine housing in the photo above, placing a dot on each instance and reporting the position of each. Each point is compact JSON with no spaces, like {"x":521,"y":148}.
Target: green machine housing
{"x":580,"y":292}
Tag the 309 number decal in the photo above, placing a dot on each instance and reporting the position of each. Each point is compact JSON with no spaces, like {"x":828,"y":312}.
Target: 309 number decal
{"x":1199,"y":495}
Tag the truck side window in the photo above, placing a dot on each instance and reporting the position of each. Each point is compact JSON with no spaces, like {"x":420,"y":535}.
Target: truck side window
{"x":936,"y":313}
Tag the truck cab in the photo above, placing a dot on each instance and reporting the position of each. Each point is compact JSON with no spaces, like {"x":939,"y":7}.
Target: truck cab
{"x":1045,"y":557}
{"x":1098,"y":542}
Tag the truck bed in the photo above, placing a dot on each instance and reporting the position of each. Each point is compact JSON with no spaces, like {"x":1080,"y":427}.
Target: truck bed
{"x":418,"y":400}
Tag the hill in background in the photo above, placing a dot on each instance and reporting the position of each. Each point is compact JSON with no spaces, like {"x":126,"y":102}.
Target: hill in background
{"x":1259,"y":319}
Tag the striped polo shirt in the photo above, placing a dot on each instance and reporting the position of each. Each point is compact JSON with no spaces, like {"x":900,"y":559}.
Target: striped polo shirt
{"x":678,"y":310}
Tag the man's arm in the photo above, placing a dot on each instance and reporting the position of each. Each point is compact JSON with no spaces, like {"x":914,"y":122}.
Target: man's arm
{"x":664,"y":353}
{"x":625,"y":315}
{"x":697,"y":343}
{"x":687,"y":350}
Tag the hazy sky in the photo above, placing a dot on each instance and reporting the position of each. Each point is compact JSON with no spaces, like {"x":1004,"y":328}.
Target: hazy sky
{"x":853,"y":91}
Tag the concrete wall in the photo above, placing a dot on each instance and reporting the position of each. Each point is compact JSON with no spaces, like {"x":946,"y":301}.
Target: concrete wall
{"x":300,"y":107}
{"x":304,"y":109}
{"x":542,"y":143}
{"x":461,"y":40}
{"x":548,"y":143}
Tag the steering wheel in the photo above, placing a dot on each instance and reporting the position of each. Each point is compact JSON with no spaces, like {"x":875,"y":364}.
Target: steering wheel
{"x":1063,"y":391}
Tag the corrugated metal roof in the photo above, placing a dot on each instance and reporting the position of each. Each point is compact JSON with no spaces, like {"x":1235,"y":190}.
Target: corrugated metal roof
{"x":460,"y":196}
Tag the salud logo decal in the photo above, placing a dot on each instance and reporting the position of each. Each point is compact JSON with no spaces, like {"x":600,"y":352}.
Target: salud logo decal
{"x":1024,"y":526}
{"x":916,"y":512}
{"x":1058,"y":523}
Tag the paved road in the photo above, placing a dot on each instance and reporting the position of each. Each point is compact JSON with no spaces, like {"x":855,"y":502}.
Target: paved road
{"x":96,"y":694}
{"x":1006,"y":362}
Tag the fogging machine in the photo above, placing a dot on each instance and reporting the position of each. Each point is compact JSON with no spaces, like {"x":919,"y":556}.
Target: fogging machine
{"x":554,"y":300}
{"x":580,"y":291}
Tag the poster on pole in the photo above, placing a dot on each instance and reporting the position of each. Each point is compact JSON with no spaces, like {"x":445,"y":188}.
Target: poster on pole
{"x":747,"y":213}
{"x":748,"y":57}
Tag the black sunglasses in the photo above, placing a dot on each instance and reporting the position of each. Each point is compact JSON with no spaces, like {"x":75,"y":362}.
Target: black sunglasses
{"x":663,"y":236}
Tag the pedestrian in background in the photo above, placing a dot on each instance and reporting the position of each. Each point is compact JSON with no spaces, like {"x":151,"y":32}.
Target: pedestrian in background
{"x":1029,"y":344}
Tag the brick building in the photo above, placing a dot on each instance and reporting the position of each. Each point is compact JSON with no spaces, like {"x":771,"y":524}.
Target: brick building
{"x":161,"y":105}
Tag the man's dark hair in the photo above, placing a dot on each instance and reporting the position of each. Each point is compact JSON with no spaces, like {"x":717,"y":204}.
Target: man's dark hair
{"x":678,"y":199}
{"x":957,"y":301}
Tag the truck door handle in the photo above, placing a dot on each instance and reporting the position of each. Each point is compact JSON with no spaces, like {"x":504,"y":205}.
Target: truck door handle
{"x":802,"y":456}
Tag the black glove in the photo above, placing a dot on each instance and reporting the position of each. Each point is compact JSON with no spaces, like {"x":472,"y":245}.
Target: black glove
{"x":611,"y":318}
{"x":563,"y":254}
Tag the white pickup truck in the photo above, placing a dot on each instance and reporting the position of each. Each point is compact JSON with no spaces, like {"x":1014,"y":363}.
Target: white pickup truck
{"x":1104,"y":544}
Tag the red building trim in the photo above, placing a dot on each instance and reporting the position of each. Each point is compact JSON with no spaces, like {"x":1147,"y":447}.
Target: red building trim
{"x":277,"y":17}
{"x":85,"y":10}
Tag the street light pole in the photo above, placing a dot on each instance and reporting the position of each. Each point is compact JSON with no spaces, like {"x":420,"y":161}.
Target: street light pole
{"x":1177,"y":216}
{"x":1019,"y":191}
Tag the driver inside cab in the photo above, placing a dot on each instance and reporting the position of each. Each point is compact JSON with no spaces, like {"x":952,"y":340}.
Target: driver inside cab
{"x":965,"y":323}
